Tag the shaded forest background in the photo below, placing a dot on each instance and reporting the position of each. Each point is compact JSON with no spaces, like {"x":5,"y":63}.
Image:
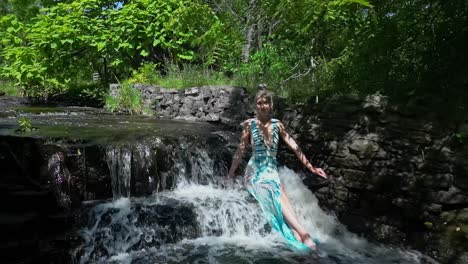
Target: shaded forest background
{"x":410,"y":50}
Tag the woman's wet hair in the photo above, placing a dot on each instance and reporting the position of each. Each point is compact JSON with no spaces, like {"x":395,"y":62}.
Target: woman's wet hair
{"x":262,"y":92}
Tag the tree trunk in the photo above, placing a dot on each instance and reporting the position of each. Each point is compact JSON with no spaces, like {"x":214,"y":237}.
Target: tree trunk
{"x":249,"y":32}
{"x":248,"y":43}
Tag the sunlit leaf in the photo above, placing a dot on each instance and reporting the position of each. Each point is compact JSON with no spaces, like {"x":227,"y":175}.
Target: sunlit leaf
{"x":144,"y":53}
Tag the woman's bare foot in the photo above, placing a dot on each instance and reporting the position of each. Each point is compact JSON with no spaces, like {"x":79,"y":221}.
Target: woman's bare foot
{"x":307,"y":240}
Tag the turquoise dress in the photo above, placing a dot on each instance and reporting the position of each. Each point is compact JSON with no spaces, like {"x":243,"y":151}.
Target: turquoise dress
{"x":263,"y":182}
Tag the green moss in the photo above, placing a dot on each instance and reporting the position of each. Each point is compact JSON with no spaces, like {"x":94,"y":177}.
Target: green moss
{"x":37,"y":110}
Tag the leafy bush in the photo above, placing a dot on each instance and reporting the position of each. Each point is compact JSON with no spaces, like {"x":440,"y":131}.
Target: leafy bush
{"x":147,"y":73}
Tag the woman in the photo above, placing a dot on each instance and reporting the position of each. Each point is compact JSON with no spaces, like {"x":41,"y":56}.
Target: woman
{"x":262,"y":176}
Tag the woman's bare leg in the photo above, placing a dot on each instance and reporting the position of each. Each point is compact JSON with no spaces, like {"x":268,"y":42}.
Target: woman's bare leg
{"x":288,"y":213}
{"x":287,"y":204}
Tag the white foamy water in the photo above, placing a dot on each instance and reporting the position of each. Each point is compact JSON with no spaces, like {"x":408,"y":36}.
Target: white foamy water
{"x":200,"y":164}
{"x":220,"y":226}
{"x":230,"y":214}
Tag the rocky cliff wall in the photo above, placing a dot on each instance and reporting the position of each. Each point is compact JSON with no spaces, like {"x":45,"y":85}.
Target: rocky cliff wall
{"x":398,"y":174}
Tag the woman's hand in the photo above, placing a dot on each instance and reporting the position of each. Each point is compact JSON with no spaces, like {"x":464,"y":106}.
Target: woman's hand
{"x":319,"y":172}
{"x":300,"y":155}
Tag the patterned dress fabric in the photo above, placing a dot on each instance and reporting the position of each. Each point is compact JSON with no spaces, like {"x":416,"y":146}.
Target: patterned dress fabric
{"x":263,"y":182}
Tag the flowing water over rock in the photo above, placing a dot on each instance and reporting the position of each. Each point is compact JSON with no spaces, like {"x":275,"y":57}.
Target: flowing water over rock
{"x":197,"y":223}
{"x":189,"y":217}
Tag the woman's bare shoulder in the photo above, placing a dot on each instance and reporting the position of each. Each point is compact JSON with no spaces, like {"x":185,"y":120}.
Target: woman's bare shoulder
{"x":246,"y":123}
{"x":279,"y":123}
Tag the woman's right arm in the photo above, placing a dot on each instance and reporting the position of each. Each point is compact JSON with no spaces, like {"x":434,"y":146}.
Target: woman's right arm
{"x":241,"y":149}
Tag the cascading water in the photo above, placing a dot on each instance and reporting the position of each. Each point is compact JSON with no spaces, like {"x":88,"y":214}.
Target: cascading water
{"x":196,"y":164}
{"x":125,"y":162}
{"x":119,"y":163}
{"x":198,"y":221}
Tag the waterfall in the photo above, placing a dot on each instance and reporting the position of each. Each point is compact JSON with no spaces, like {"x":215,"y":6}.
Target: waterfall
{"x":119,"y":161}
{"x":143,"y":166}
{"x":204,"y":223}
{"x":229,"y":213}
{"x":195,"y":164}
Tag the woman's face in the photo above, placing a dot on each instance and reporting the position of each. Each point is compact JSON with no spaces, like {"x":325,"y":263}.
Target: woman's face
{"x":263,"y":105}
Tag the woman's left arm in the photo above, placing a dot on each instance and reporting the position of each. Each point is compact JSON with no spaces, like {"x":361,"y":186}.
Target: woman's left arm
{"x":297,"y":150}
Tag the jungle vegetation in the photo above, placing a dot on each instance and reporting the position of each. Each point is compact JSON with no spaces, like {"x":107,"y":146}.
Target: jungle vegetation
{"x":405,"y":49}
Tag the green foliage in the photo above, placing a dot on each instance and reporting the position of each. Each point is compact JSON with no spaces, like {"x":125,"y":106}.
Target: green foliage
{"x":180,"y":77}
{"x":45,"y":56}
{"x":24,"y":125}
{"x":460,"y":137}
{"x":111,"y":103}
{"x":9,"y":88}
{"x":128,"y":100}
{"x":73,"y":39}
{"x":89,"y":91}
{"x":25,"y":10}
{"x":148,"y":73}
{"x":407,"y":49}
{"x":265,"y":65}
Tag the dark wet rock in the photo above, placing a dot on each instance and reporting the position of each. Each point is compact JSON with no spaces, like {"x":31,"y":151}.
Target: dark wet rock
{"x":394,"y":172}
{"x":31,"y":219}
{"x":452,"y":196}
{"x":12,"y":101}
